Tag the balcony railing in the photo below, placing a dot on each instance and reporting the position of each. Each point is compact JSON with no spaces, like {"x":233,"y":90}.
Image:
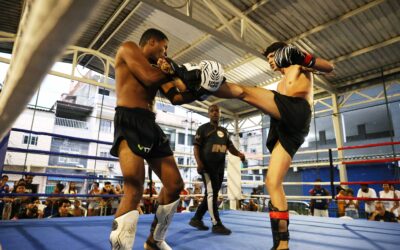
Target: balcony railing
{"x":71,"y":123}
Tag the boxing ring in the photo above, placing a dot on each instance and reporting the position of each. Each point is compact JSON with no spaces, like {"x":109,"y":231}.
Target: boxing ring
{"x":250,"y":230}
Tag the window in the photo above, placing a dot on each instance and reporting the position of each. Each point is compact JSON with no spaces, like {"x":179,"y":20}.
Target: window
{"x":104,"y":92}
{"x":181,"y":160}
{"x":31,"y":139}
{"x":104,"y":154}
{"x":105,"y":126}
{"x":181,"y":138}
{"x":190,"y":140}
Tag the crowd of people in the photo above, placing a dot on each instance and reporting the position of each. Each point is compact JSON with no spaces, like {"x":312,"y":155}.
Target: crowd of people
{"x":373,"y":210}
{"x":29,"y":207}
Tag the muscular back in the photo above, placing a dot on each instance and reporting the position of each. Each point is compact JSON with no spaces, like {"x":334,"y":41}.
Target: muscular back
{"x":137,"y":82}
{"x":297,"y":82}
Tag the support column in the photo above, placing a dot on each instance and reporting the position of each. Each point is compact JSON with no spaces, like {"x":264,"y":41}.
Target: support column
{"x":337,"y":125}
{"x":234,"y":173}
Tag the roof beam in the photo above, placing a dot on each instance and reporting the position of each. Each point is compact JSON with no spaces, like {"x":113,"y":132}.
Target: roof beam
{"x":223,"y":26}
{"x":366,"y":49}
{"x":201,"y":26}
{"x":335,"y":21}
{"x":221,"y":18}
{"x":121,"y":7}
{"x":322,"y":83}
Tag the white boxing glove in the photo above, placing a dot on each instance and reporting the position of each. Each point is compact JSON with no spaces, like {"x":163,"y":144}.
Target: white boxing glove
{"x":212,"y":75}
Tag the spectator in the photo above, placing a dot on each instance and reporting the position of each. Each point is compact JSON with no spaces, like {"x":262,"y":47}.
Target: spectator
{"x":71,"y":188}
{"x":52,"y":203}
{"x":319,"y":207}
{"x":4,"y":189}
{"x":198,"y":198}
{"x":19,"y":203}
{"x":366,"y":192}
{"x":78,"y":210}
{"x":340,"y":192}
{"x":397,"y":194}
{"x":106,"y":202}
{"x":63,"y":209}
{"x":116,"y":200}
{"x":149,"y":202}
{"x":94,"y":202}
{"x":30,"y":188}
{"x":184,"y":201}
{"x":381,"y":214}
{"x":390,"y":206}
{"x":252,"y":206}
{"x":351,"y":206}
{"x":3,"y":181}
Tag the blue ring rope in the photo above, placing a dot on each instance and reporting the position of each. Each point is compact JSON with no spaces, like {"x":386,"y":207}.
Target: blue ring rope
{"x":64,"y":175}
{"x":60,"y":136}
{"x":43,"y":152}
{"x":60,"y":195}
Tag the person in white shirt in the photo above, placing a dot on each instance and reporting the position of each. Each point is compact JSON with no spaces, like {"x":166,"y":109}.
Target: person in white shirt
{"x":390,"y":206}
{"x":397,"y":194}
{"x":367,"y":192}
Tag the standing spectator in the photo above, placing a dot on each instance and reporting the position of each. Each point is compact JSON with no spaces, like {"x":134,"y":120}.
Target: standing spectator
{"x":381,"y":214}
{"x":30,"y":188}
{"x":184,"y":201}
{"x":94,"y":202}
{"x":4,"y":189}
{"x":149,"y":202}
{"x":71,"y":188}
{"x":210,"y":146}
{"x":351,"y":206}
{"x":390,"y":206}
{"x":340,"y":192}
{"x":367,"y":192}
{"x":319,"y":207}
{"x":3,"y":181}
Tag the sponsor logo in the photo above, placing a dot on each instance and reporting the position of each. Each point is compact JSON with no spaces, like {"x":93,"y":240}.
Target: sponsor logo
{"x":143,"y":148}
{"x":220,"y":133}
{"x":218,"y":148}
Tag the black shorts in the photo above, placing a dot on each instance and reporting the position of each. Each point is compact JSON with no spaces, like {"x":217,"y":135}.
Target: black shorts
{"x":293,"y":126}
{"x":139,"y":128}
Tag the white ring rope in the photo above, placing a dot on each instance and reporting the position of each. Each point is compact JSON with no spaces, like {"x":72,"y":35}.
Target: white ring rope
{"x":46,"y":28}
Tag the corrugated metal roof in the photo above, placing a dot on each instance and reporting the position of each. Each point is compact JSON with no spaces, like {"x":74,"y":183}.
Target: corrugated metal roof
{"x":362,"y":37}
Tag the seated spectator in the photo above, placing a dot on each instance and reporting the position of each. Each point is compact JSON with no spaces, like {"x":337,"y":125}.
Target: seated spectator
{"x":390,"y":206}
{"x":184,"y":201}
{"x":381,"y":214}
{"x":366,"y":192}
{"x":19,"y":203}
{"x":116,"y":200}
{"x":397,"y":195}
{"x":149,"y":202}
{"x":78,"y":210}
{"x":252,"y":206}
{"x":63,"y":209}
{"x":340,"y":192}
{"x":30,"y":211}
{"x":351,"y":206}
{"x":319,"y":207}
{"x":52,"y":203}
{"x":94,"y":202}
